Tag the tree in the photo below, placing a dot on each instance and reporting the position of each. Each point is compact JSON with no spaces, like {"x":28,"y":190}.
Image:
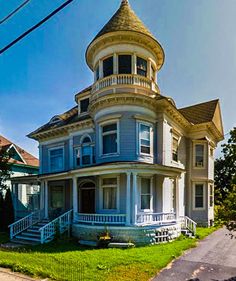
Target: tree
{"x":1,"y":211}
{"x":5,"y":168}
{"x":8,"y":210}
{"x":225,"y":169}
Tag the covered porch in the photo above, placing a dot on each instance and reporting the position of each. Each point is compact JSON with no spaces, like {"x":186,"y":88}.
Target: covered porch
{"x":117,"y":195}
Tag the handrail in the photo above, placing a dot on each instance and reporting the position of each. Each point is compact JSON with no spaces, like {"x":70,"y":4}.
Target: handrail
{"x":62,"y":223}
{"x":24,"y":223}
{"x":100,"y":218}
{"x":189,"y":224}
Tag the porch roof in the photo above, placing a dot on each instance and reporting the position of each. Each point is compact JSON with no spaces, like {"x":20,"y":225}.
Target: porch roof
{"x":31,"y":179}
{"x":117,"y":167}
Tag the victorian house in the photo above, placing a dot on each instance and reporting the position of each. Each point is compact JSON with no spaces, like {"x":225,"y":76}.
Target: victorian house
{"x":125,"y":158}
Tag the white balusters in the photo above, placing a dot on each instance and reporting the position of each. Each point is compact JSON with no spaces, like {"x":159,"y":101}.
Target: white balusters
{"x":155,"y":218}
{"x":101,"y":218}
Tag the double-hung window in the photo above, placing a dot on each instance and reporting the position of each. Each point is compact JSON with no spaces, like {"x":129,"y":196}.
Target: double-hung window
{"x":108,"y":67}
{"x":175,"y":146}
{"x":84,"y":153}
{"x":109,"y":193}
{"x":125,"y":62}
{"x":145,"y":139}
{"x":109,"y":138}
{"x":199,"y":155}
{"x":146,"y":194}
{"x":141,"y":67}
{"x":199,"y":196}
{"x":56,"y":159}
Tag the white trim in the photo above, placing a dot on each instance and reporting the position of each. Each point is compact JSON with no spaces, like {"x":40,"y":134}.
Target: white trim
{"x":117,"y":186}
{"x":13,"y":146}
{"x":63,"y":158}
{"x":102,"y":124}
{"x":54,"y":141}
{"x":204,"y":196}
{"x":140,"y":193}
{"x":138,"y":138}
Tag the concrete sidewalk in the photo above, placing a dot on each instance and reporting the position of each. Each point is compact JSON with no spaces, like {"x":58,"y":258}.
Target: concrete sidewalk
{"x":213,"y":260}
{"x":7,"y":275}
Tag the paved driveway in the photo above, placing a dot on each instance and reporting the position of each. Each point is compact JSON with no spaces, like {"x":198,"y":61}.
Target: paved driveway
{"x":213,"y":260}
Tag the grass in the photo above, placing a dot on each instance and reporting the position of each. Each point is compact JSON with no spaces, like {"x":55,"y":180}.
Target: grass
{"x":66,"y":260}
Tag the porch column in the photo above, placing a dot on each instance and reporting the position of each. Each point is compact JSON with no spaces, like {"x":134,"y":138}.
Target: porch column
{"x":177,"y":197}
{"x":42,"y":203}
{"x":135,"y":198}
{"x":46,"y":198}
{"x":128,"y":207}
{"x":75,"y":196}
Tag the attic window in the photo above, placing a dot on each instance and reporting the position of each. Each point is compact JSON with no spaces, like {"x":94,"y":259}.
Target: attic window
{"x":84,"y":105}
{"x":55,"y":119}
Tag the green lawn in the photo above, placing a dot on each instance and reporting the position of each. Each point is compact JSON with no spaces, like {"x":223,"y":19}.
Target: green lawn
{"x":66,"y":260}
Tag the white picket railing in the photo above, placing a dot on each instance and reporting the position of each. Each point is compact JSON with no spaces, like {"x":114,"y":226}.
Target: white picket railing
{"x":125,"y":79}
{"x":26,"y":222}
{"x":61,"y":224}
{"x":187,"y":223}
{"x":119,"y":219}
{"x":155,"y":218}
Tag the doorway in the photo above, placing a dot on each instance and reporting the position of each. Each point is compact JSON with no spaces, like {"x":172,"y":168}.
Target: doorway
{"x":87,"y":198}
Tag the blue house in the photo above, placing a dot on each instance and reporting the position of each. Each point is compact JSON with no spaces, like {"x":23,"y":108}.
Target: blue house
{"x":125,"y":159}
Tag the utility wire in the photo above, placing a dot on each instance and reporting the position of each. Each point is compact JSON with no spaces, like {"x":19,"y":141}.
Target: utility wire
{"x":35,"y":26}
{"x":15,"y":11}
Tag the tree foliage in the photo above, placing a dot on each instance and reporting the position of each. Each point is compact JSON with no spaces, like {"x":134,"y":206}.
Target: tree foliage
{"x":225,"y":169}
{"x":8,"y":210}
{"x":5,"y":168}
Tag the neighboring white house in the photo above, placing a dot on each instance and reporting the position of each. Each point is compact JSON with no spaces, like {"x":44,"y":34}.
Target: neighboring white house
{"x":125,"y":157}
{"x":25,"y":195}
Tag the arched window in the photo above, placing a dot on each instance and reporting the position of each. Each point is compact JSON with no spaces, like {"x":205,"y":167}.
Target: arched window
{"x":84,"y":154}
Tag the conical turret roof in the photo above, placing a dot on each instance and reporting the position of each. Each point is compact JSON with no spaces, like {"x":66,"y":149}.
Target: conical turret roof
{"x":125,"y":19}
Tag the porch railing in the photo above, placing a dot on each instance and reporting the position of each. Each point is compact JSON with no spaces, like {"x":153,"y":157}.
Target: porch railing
{"x":125,"y":79}
{"x":155,"y":218}
{"x":26,"y":222}
{"x":101,"y":218}
{"x":60,"y":224}
{"x":187,"y":223}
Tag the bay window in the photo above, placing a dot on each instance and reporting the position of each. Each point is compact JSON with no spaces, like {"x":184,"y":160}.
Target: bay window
{"x":108,"y":66}
{"x":124,"y":64}
{"x":145,"y":139}
{"x":109,"y":193}
{"x":56,"y":159}
{"x":109,"y":138}
{"x":141,"y":67}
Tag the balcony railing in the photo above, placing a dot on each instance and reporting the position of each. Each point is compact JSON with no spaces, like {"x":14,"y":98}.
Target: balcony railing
{"x":156,"y":218}
{"x":125,"y":79}
{"x":118,"y":219}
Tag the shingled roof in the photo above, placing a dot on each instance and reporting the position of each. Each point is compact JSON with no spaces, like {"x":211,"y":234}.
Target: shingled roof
{"x":27,"y":157}
{"x":125,"y":19}
{"x":200,"y":113}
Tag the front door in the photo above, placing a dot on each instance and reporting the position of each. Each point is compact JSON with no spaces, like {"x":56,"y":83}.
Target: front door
{"x":87,"y":200}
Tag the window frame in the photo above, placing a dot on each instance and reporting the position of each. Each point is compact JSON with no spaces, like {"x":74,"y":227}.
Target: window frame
{"x":118,"y":63}
{"x":150,"y":210}
{"x":203,"y":196}
{"x":79,"y":103}
{"x":176,"y":137}
{"x":101,"y":197}
{"x":204,"y":155}
{"x":80,"y":149}
{"x":63,"y":158}
{"x":104,"y":59}
{"x":139,"y":123}
{"x":211,"y":195}
{"x":103,"y":124}
{"x":140,"y":57}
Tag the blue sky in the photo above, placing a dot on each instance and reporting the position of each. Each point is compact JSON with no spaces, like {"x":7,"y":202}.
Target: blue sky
{"x":40,"y":75}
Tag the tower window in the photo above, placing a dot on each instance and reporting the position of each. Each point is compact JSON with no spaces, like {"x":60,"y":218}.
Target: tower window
{"x":141,"y":67}
{"x":124,"y":64}
{"x":153,"y":74}
{"x":108,"y":67}
{"x":97,"y":73}
{"x":84,"y":105}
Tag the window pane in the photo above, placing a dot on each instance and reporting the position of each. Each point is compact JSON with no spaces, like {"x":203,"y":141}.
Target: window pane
{"x":145,"y":142}
{"x":141,"y":66}
{"x":109,"y":198}
{"x":124,"y":64}
{"x":199,"y":202}
{"x":145,"y":193}
{"x":110,"y":127}
{"x":97,"y":73}
{"x":56,"y":152}
{"x":56,"y":159}
{"x":108,"y":67}
{"x":199,"y":189}
{"x":110,"y":143}
{"x":145,"y":202}
{"x":145,"y":132}
{"x":77,"y":155}
{"x":86,"y":155}
{"x":57,"y":197}
{"x":84,"y":105}
{"x":199,"y":153}
{"x":145,"y":188}
{"x":145,"y":149}
{"x":86,"y":140}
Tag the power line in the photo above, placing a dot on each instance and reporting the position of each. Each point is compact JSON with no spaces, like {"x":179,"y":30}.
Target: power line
{"x":35,"y":26}
{"x":15,"y":11}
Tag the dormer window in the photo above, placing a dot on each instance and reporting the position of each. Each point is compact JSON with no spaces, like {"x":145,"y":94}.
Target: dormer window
{"x":141,"y":67}
{"x":84,"y":105}
{"x":108,"y":66}
{"x":125,"y":64}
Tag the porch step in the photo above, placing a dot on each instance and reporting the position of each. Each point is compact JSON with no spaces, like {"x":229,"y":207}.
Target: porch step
{"x":23,"y":237}
{"x":23,"y":242}
{"x":88,"y":243}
